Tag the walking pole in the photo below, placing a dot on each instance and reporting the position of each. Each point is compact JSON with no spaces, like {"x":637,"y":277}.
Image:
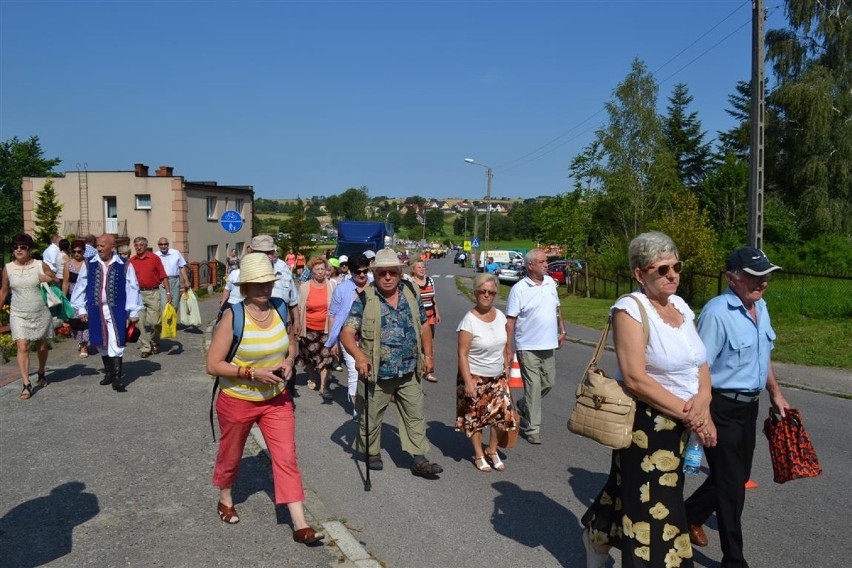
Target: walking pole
{"x":367,"y":484}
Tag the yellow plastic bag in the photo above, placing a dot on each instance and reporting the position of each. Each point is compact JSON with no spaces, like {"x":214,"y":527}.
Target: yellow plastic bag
{"x":189,"y":314}
{"x":169,"y":322}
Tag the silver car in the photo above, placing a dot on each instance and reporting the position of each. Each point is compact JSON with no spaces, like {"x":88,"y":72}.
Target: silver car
{"x":510,"y":273}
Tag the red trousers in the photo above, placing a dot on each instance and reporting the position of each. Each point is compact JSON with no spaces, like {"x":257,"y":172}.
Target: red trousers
{"x":277,"y":423}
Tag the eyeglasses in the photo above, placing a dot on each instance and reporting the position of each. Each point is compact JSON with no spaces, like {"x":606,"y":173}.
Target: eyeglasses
{"x":77,"y":251}
{"x":383,"y":273}
{"x":162,"y":244}
{"x":487,"y":292}
{"x":20,"y":247}
{"x":753,"y":278}
{"x":664,"y":269}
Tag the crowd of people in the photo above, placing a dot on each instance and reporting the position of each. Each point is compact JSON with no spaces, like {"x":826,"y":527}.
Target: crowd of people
{"x":699,"y":378}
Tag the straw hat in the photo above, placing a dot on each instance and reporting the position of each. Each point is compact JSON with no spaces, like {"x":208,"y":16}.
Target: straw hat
{"x":387,"y":258}
{"x":255,"y":268}
{"x":262,"y":243}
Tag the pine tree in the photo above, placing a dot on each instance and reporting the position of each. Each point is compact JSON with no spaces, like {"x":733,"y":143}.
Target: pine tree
{"x":47,"y":211}
{"x":685,"y":138}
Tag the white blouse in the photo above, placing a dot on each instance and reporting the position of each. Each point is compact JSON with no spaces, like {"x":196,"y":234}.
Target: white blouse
{"x":486,"y":348}
{"x":673,"y":354}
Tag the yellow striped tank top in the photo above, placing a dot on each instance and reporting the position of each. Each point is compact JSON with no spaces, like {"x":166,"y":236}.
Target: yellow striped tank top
{"x":258,"y":348}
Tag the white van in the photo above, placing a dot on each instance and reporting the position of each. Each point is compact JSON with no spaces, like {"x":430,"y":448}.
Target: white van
{"x":504,"y":256}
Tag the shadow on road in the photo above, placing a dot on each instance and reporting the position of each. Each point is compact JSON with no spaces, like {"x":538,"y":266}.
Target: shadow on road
{"x":518,"y":515}
{"x":39,"y":531}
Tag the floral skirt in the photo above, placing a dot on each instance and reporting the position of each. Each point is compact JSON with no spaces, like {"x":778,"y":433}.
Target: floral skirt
{"x":492,"y":405}
{"x":313,"y":352}
{"x":641,"y":509}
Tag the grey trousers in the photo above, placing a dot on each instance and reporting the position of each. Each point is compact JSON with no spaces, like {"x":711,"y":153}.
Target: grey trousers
{"x":538,"y":371}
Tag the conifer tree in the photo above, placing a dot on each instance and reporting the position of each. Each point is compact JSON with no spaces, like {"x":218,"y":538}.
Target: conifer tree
{"x":47,"y":211}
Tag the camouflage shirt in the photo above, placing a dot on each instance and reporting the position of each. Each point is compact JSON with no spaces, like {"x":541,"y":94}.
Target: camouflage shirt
{"x":398,"y":342}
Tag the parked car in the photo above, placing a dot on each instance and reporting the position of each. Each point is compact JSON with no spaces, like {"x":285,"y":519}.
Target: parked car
{"x":558,"y":271}
{"x":460,"y":257}
{"x":510,"y":273}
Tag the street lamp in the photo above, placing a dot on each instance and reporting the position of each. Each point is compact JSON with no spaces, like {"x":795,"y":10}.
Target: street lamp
{"x":487,"y":199}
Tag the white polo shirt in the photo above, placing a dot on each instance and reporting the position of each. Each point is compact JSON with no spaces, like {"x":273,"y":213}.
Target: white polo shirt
{"x":173,"y":261}
{"x":534,"y":308}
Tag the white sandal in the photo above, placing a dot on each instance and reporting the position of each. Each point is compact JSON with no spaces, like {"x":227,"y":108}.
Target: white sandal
{"x":481,"y":464}
{"x":496,"y":463}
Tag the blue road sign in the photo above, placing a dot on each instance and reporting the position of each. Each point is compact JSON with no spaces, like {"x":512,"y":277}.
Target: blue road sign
{"x":231,"y":221}
{"x":474,"y":243}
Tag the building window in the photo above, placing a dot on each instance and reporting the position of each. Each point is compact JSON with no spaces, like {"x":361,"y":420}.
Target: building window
{"x":238,"y":205}
{"x":211,"y":208}
{"x":212,"y":252}
{"x":240,"y":248}
{"x":143,"y":201}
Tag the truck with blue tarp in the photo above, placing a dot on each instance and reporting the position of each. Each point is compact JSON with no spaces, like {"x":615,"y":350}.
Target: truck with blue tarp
{"x":354,"y":237}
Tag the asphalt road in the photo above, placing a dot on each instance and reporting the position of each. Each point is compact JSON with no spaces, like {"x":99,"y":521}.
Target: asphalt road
{"x":95,"y":478}
{"x":529,"y":514}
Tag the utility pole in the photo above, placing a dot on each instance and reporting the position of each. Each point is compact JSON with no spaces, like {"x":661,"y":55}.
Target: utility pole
{"x":755,"y":169}
{"x":488,"y":209}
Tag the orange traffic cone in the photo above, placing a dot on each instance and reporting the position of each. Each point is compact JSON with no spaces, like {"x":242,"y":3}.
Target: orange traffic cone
{"x":515,"y":381}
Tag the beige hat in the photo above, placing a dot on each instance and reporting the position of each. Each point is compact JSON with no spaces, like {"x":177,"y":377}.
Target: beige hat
{"x":387,"y":258}
{"x":262,"y":243}
{"x":255,"y":268}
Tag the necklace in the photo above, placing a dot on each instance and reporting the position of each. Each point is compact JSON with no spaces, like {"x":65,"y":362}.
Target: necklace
{"x":258,"y":320}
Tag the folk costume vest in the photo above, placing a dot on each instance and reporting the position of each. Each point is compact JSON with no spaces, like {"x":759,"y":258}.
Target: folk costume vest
{"x":371,"y":327}
{"x":116,"y":293}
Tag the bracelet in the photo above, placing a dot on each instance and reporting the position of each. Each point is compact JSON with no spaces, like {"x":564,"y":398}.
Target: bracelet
{"x":251,"y":373}
{"x":429,"y":356}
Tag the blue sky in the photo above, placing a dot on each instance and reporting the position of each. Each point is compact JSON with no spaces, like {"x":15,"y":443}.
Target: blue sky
{"x":311,"y":98}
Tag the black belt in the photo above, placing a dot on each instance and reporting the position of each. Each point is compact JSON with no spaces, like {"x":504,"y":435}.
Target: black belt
{"x":739,"y":396}
{"x":149,"y":289}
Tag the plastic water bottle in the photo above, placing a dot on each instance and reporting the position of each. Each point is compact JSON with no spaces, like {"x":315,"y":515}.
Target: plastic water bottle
{"x":692,"y":456}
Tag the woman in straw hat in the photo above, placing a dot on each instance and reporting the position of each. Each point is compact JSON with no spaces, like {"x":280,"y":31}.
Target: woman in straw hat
{"x":254,"y":391}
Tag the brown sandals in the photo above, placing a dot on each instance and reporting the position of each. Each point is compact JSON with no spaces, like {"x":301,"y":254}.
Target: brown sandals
{"x":307,"y":535}
{"x":228,"y":514}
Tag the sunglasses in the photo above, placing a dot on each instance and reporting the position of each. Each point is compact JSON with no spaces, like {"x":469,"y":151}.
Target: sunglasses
{"x":664,"y":269}
{"x":487,"y":292}
{"x":383,"y":273}
{"x":363,"y":272}
{"x":77,"y":251}
{"x":20,"y":247}
{"x":162,"y":244}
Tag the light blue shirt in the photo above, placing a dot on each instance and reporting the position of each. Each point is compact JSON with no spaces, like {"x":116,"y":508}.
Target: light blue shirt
{"x":738,"y":349}
{"x":341,"y":303}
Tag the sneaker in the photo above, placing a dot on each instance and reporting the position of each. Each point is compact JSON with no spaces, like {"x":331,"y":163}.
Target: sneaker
{"x":311,"y":384}
{"x":326,"y":395}
{"x":338,"y":368}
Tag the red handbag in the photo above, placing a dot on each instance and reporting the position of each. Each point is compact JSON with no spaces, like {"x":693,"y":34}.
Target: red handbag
{"x":790,"y":447}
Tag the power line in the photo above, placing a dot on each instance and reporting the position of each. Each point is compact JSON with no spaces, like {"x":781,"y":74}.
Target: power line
{"x":535,"y":155}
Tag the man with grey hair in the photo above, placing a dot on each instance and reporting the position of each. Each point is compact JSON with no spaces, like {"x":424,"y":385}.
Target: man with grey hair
{"x":739,"y":338}
{"x":535,"y":329}
{"x":151,"y":274}
{"x":176,"y":270}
